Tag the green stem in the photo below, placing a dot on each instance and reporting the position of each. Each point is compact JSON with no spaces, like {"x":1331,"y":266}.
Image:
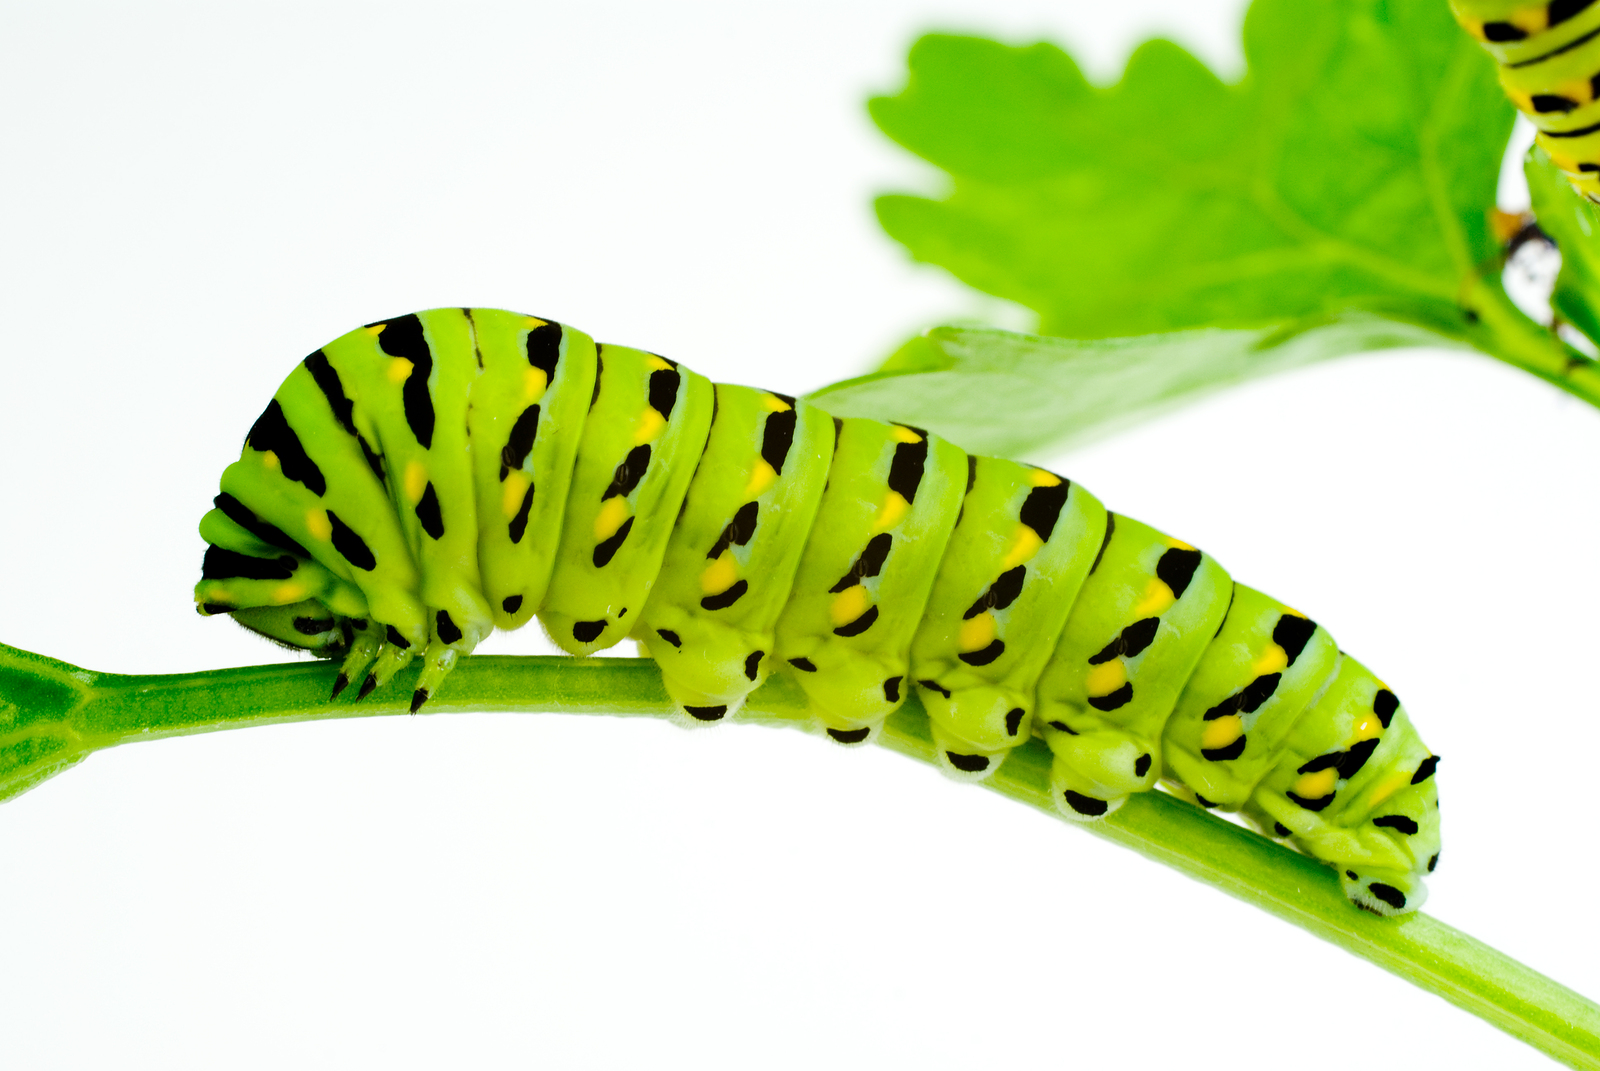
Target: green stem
{"x":53,"y":715}
{"x":1504,"y":331}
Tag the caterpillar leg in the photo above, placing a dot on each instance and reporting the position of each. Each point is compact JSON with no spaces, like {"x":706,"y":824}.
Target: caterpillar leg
{"x":1094,"y":772}
{"x":438,"y":660}
{"x":366,"y":638}
{"x":391,"y":659}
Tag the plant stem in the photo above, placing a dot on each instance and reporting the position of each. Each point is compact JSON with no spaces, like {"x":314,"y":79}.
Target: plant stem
{"x":53,"y":714}
{"x":1504,"y":331}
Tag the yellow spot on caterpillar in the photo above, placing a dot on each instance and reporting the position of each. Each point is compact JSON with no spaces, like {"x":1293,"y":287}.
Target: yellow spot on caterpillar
{"x":512,"y":492}
{"x":1105,"y":678}
{"x":1157,"y":599}
{"x":1367,"y":728}
{"x":892,"y":512}
{"x":775,"y":403}
{"x":649,"y":427}
{"x":848,"y":605}
{"x":903,"y":434}
{"x":1530,"y":19}
{"x":318,"y":525}
{"x":290,"y":592}
{"x":761,"y":478}
{"x":1272,"y":660}
{"x":1577,"y":89}
{"x":398,"y":370}
{"x":534,"y":381}
{"x":1314,"y":786}
{"x":1388,"y":787}
{"x":416,"y":480}
{"x":1471,"y":25}
{"x":658,"y":363}
{"x":534,"y":321}
{"x":1178,"y":544}
{"x":1041,"y":478}
{"x":1222,"y":732}
{"x":720,"y":575}
{"x":375,"y":330}
{"x":976,"y":633}
{"x":613,"y":511}
{"x":1025,"y":543}
{"x":269,"y":461}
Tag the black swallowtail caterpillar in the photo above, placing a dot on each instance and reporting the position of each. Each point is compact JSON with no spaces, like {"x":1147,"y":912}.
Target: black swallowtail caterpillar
{"x":423,"y":480}
{"x":1549,"y":56}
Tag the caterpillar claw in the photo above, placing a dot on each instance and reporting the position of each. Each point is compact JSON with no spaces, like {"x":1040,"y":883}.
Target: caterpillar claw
{"x":437,"y":662}
{"x":391,"y":660}
{"x":365,"y":641}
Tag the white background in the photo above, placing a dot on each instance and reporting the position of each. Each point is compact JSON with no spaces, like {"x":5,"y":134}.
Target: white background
{"x":192,"y":198}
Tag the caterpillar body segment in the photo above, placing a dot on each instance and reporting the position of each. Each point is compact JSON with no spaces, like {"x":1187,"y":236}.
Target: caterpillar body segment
{"x":424,"y":479}
{"x":1011,"y":573}
{"x":643,"y":436}
{"x":732,"y":557}
{"x":532,"y":396}
{"x":1266,"y":666}
{"x":1549,"y":57}
{"x":1147,"y":613}
{"x":893,"y":493}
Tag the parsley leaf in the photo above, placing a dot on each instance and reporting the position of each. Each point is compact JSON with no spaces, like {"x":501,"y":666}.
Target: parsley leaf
{"x":1013,"y":395}
{"x":1352,"y":169}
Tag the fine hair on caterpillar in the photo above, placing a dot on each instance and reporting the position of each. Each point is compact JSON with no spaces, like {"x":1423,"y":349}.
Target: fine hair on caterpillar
{"x":423,"y":480}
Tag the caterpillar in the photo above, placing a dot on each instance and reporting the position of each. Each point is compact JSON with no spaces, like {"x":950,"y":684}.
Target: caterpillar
{"x":1549,"y":57}
{"x":426,"y":479}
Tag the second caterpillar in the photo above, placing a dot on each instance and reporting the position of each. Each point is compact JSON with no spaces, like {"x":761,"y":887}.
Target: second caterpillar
{"x":423,"y":480}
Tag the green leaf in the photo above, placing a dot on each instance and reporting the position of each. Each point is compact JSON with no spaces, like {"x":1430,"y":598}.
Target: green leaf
{"x":1574,"y":224}
{"x":1011,"y":395}
{"x":1352,"y":169}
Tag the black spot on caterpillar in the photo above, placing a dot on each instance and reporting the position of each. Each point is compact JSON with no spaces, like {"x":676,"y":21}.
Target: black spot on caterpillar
{"x":272,"y":434}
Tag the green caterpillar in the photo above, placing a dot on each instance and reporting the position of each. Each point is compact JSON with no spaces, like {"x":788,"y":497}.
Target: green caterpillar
{"x":426,"y":479}
{"x":1549,"y":56}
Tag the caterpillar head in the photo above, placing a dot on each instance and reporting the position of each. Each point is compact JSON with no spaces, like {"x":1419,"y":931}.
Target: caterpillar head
{"x":301,"y":626}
